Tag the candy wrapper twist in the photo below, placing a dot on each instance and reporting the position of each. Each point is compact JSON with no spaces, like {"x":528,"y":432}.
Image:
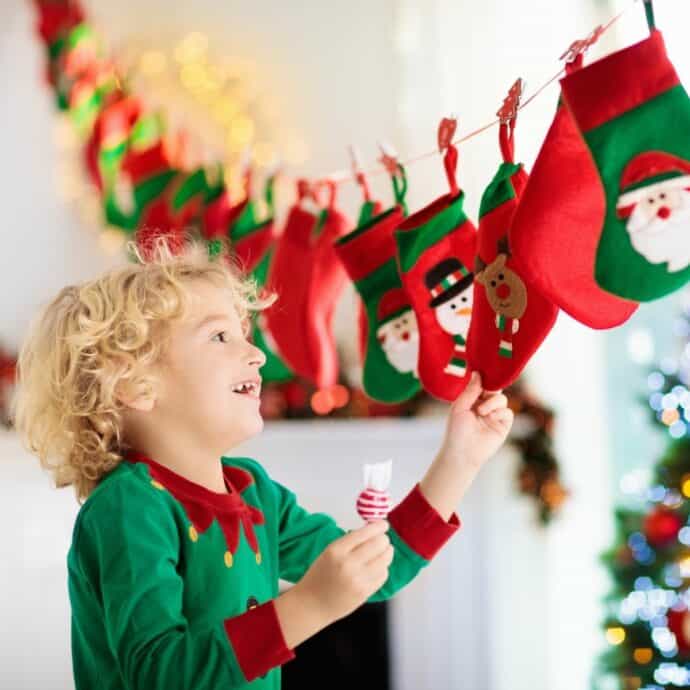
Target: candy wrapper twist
{"x":374,"y":502}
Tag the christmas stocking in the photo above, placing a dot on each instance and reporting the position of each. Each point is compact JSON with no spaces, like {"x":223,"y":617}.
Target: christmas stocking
{"x":327,"y":282}
{"x":274,"y":369}
{"x":556,"y":228}
{"x":108,"y":141}
{"x":289,"y":276}
{"x":510,"y":318}
{"x":436,"y":249}
{"x":635,"y":117}
{"x":368,"y":210}
{"x":251,"y":238}
{"x":139,"y":182}
{"x":392,"y":345}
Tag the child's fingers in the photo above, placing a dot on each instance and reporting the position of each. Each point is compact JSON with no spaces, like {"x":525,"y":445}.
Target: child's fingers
{"x":501,"y":417}
{"x":358,"y":536}
{"x":472,"y":391}
{"x":495,"y":402}
{"x":370,"y":549}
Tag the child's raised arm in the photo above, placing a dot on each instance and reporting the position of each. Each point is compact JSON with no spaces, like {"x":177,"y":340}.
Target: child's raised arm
{"x":478,"y":424}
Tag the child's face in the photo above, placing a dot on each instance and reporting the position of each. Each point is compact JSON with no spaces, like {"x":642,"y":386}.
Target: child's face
{"x":202,"y":371}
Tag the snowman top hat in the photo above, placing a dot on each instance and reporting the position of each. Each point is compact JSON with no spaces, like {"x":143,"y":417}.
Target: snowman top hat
{"x":447,"y":279}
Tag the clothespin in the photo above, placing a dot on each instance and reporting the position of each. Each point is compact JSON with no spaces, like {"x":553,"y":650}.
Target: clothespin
{"x":446,"y":132}
{"x":580,"y":47}
{"x":389,"y":160}
{"x":507,"y":115}
{"x":357,"y":173}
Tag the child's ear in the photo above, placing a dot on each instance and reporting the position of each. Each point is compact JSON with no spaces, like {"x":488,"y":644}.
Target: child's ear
{"x":135,"y":397}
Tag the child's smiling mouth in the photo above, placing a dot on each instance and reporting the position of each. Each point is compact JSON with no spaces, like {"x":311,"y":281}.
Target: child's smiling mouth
{"x":251,"y":388}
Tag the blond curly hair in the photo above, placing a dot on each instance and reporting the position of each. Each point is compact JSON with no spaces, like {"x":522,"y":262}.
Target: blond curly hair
{"x":103,"y":333}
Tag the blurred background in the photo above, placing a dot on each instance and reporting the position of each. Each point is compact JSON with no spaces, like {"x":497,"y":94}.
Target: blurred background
{"x":517,"y":600}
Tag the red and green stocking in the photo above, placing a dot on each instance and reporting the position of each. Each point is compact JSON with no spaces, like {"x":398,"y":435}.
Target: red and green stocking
{"x":635,"y":117}
{"x":510,"y":317}
{"x":436,"y":249}
{"x":556,"y":228}
{"x":392,"y":339}
{"x":251,"y":238}
{"x":289,"y":277}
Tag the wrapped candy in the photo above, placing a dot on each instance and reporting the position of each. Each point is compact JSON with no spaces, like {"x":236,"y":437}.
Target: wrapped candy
{"x":374,"y":502}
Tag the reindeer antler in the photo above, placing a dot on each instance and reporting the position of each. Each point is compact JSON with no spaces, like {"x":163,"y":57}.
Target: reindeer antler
{"x":479,"y":264}
{"x":503,"y":246}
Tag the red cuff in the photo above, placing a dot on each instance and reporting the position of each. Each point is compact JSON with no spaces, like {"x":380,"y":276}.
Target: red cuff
{"x":257,"y":640}
{"x":420,"y":526}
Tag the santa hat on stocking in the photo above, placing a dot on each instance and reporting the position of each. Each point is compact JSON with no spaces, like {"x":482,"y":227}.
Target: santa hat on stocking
{"x":649,"y":173}
{"x":394,"y":303}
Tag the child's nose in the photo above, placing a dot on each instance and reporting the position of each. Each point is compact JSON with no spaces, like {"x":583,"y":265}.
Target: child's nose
{"x":256,"y":356}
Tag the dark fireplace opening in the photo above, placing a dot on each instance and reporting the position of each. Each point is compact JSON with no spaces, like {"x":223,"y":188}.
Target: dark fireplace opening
{"x":351,"y":653}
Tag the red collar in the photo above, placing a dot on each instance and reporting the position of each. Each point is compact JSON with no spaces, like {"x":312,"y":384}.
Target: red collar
{"x":236,"y":480}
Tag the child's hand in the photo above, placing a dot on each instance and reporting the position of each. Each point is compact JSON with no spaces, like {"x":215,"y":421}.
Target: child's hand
{"x":478,"y":424}
{"x":348,"y":571}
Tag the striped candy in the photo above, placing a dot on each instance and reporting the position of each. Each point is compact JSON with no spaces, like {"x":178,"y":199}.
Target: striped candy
{"x":373,"y":504}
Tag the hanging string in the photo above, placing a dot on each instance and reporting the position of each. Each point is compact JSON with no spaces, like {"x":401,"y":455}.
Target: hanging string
{"x":344,"y":175}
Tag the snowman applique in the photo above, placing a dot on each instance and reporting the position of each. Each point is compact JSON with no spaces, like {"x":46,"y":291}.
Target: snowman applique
{"x":451,"y":287}
{"x":655,"y":204}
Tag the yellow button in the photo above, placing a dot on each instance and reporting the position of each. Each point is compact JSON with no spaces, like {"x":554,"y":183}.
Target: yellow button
{"x":228,"y":559}
{"x":158,"y":485}
{"x":258,"y":558}
{"x":193,"y":534}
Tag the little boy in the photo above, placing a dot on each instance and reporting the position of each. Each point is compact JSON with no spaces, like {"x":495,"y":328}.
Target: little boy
{"x":131,"y":389}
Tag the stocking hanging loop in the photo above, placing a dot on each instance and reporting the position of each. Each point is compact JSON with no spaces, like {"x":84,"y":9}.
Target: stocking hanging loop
{"x":332,"y":188}
{"x":649,"y":13}
{"x":305,"y":190}
{"x":399,"y":181}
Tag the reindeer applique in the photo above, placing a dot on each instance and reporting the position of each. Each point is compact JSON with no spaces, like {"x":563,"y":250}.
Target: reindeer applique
{"x":506,"y":294}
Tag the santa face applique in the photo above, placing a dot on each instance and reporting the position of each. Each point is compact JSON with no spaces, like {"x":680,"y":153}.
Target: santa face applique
{"x":452,"y":295}
{"x":397,"y":333}
{"x":399,"y":340}
{"x":655,"y":203}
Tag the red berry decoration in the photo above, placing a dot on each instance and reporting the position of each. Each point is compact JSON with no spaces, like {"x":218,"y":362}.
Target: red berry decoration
{"x":679,"y":625}
{"x":661,"y":526}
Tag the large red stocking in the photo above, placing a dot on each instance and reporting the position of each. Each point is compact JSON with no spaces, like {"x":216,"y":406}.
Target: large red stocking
{"x":557,"y":225}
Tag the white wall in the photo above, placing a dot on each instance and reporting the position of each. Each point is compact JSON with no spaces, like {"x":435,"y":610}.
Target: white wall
{"x":349,"y":72}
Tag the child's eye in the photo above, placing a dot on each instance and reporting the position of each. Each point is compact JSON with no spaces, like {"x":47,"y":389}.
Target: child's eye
{"x":220,"y":333}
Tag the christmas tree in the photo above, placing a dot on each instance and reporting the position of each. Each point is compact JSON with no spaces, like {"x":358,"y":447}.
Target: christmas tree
{"x":647,"y":619}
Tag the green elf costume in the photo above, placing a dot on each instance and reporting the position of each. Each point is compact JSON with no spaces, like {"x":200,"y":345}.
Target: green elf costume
{"x":172,"y":585}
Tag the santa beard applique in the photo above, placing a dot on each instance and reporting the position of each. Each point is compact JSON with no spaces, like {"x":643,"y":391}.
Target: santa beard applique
{"x":658,"y":214}
{"x":399,"y":339}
